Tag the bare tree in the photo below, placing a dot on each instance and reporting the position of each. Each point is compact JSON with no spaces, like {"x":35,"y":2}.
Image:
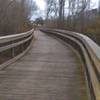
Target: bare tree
{"x":61,"y":11}
{"x":76,"y":10}
{"x":51,"y":11}
{"x":51,"y":8}
{"x":14,"y":14}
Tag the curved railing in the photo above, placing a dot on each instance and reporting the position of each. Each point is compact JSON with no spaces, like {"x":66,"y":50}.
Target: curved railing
{"x":13,"y":47}
{"x":90,"y":54}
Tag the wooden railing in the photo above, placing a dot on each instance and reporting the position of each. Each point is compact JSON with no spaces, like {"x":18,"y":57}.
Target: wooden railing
{"x":13,"y":47}
{"x":90,"y":54}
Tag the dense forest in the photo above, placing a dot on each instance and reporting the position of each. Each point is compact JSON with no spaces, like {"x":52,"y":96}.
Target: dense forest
{"x":15,"y":15}
{"x":74,"y":15}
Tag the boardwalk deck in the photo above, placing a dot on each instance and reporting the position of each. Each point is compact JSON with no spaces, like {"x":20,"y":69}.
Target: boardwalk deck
{"x":49,"y":71}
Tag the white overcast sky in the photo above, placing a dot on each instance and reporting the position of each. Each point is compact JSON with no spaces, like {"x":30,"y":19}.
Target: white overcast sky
{"x":41,"y":3}
{"x":41,"y":6}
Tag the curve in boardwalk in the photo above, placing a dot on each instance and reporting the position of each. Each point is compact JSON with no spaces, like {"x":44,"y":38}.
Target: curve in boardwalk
{"x":49,"y":71}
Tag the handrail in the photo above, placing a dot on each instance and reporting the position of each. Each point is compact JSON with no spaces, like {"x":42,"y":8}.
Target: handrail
{"x":14,"y":46}
{"x":15,"y":36}
{"x":90,"y":54}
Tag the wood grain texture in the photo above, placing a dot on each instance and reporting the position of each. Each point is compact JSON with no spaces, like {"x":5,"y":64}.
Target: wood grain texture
{"x":49,"y":71}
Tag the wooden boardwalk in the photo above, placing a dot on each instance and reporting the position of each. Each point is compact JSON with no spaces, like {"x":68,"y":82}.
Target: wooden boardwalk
{"x":49,"y":71}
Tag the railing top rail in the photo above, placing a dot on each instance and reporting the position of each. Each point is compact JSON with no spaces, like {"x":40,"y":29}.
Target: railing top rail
{"x":8,"y":38}
{"x":87,"y":41}
{"x":92,"y":47}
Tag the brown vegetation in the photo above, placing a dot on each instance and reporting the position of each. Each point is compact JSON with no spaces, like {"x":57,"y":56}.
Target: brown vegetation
{"x":15,"y":15}
{"x":74,"y":15}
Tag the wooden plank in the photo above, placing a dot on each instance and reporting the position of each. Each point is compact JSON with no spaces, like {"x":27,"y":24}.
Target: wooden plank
{"x":49,"y":71}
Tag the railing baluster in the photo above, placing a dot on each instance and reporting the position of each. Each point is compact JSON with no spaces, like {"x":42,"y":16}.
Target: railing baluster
{"x":15,"y":43}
